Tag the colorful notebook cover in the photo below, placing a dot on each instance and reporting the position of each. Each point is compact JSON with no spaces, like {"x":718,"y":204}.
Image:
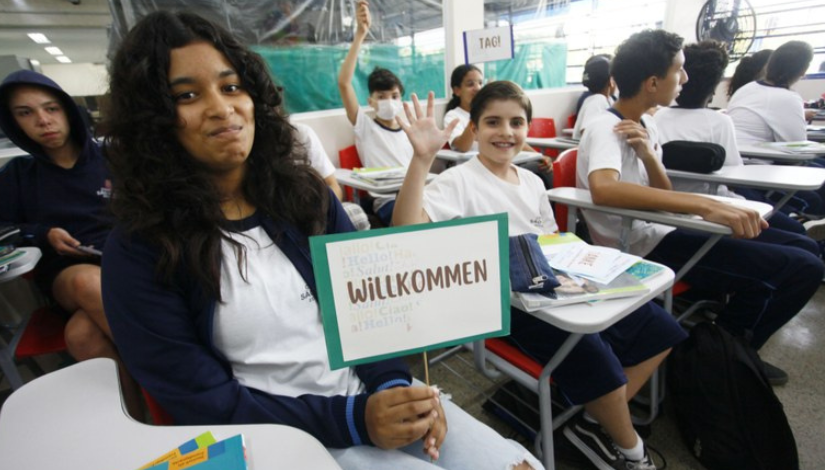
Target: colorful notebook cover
{"x":228,"y":454}
{"x":204,"y":440}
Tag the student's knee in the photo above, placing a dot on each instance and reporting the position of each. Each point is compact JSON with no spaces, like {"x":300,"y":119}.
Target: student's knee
{"x":86,"y":284}
{"x":84,"y":339}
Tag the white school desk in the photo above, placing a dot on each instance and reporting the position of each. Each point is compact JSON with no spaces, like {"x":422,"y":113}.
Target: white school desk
{"x":567,"y":132}
{"x":788,"y":179}
{"x":579,"y":319}
{"x":757,"y":151}
{"x":558,"y":143}
{"x":461,"y":157}
{"x":74,"y":419}
{"x":17,"y":268}
{"x":345,"y":178}
{"x":580,"y":198}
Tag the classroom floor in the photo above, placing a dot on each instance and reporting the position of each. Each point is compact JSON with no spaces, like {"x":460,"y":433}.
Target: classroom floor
{"x":799,"y":348}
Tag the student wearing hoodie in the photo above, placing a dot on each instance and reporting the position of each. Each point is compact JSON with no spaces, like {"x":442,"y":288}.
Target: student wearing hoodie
{"x":57,"y":196}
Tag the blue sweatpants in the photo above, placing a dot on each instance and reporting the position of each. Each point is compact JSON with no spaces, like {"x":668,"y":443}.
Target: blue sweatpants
{"x":770,"y":278}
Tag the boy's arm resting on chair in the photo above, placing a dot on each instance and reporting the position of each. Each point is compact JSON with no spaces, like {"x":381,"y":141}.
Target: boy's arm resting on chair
{"x":347,"y":72}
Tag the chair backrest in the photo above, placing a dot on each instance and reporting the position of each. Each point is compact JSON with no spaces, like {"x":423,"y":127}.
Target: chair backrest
{"x":542,"y":127}
{"x":571,"y":121}
{"x":159,"y":416}
{"x":564,"y":175}
{"x":348,"y":158}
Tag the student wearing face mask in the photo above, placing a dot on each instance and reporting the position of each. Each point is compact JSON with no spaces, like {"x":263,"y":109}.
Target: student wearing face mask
{"x":380,"y":142}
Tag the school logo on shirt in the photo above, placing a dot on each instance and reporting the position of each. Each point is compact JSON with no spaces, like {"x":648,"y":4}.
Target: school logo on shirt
{"x":106,"y":191}
{"x":307,"y":294}
{"x":538,"y":222}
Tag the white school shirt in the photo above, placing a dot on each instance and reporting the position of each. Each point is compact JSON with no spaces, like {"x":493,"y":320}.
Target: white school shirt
{"x":699,"y":125}
{"x":470,"y":189}
{"x":269,"y":326}
{"x":380,"y":146}
{"x":318,"y":158}
{"x":463,"y":121}
{"x":601,"y":148}
{"x":592,"y":107}
{"x":764,"y":113}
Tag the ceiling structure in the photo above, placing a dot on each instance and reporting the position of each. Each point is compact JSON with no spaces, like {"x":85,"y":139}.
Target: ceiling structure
{"x":82,"y":28}
{"x":79,"y":30}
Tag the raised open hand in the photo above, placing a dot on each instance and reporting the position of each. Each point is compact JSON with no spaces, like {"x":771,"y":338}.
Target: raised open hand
{"x":425,"y":136}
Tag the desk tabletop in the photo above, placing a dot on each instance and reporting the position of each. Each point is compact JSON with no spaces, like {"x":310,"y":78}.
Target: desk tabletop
{"x":74,"y":419}
{"x":771,"y":177}
{"x":757,"y":151}
{"x":589,"y":318}
{"x":22,"y":265}
{"x":581,"y":198}
{"x":460,"y":157}
{"x":344,"y":177}
{"x":559,"y":143}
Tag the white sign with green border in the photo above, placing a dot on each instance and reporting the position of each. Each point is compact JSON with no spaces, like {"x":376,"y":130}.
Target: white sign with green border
{"x":403,"y":290}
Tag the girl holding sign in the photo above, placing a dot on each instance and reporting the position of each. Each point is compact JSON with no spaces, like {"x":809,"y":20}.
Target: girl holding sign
{"x":604,"y":370}
{"x":207,"y":280}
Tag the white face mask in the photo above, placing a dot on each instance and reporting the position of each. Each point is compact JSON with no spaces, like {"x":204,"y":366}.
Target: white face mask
{"x":388,"y":109}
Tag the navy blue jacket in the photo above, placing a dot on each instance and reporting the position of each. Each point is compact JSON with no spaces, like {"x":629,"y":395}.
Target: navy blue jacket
{"x":37,"y":195}
{"x":164,"y":336}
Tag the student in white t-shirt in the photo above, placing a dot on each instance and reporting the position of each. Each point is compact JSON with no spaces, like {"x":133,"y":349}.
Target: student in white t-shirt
{"x":604,"y":370}
{"x":465,"y":82}
{"x":693,"y":121}
{"x":772,"y":273}
{"x":767,"y":110}
{"x":380,"y":141}
{"x":596,"y":78}
{"x":319,"y":161}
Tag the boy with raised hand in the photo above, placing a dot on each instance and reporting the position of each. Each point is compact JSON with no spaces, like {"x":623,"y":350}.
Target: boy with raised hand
{"x":770,"y":274}
{"x":380,"y":141}
{"x":603,"y":371}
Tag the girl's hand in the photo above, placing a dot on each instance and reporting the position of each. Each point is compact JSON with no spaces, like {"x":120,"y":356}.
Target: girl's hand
{"x":399,"y":416}
{"x":435,"y":436}
{"x":425,"y":136}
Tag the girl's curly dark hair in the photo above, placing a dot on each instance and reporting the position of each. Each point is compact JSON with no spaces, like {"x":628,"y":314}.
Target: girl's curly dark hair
{"x":164,"y":194}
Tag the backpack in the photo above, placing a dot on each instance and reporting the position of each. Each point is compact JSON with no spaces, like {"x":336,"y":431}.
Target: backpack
{"x":725,"y":409}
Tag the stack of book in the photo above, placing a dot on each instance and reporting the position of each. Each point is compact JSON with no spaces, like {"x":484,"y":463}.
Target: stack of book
{"x":203,"y":453}
{"x":587,"y":273}
{"x":8,"y":256}
{"x":380,"y":176}
{"x":799,"y":147}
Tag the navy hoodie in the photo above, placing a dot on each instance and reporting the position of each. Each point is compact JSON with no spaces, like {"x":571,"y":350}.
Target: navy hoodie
{"x":37,"y":195}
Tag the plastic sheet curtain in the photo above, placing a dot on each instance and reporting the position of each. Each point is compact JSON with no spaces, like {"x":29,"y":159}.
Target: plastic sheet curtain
{"x":304,"y":43}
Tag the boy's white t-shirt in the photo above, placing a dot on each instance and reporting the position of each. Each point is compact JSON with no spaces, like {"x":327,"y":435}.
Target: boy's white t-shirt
{"x":699,"y":125}
{"x":602,"y":148}
{"x":379,"y":146}
{"x":592,"y":107}
{"x":463,"y":121}
{"x":470,"y":189}
{"x":764,"y":113}
{"x":268,"y":326}
{"x":318,"y":158}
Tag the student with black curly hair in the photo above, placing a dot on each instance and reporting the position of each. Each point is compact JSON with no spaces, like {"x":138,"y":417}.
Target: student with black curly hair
{"x":207,"y":278}
{"x":692,"y":120}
